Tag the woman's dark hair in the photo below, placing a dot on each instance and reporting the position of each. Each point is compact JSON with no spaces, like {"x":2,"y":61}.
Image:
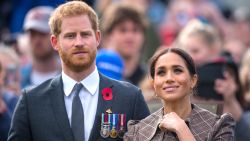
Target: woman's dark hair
{"x":184,"y":55}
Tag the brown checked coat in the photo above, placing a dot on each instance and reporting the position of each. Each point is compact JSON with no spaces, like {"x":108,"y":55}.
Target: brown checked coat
{"x":204,"y":125}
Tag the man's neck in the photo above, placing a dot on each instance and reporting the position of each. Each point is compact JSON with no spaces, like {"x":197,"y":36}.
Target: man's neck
{"x":131,"y":64}
{"x":79,"y":76}
{"x":46,"y":66}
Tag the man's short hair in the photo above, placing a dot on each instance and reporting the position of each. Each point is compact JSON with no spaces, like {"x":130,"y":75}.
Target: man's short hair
{"x":69,"y":9}
{"x":120,"y":12}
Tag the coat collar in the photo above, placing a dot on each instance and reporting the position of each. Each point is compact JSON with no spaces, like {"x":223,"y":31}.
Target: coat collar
{"x":101,"y":107}
{"x":58,"y":107}
{"x":149,"y":125}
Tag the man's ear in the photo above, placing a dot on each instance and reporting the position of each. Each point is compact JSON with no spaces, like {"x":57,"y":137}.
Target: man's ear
{"x":98,"y":37}
{"x":54,"y":42}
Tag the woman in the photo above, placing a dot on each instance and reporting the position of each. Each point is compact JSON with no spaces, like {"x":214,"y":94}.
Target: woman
{"x":174,"y":78}
{"x":240,"y":111}
{"x":204,"y":45}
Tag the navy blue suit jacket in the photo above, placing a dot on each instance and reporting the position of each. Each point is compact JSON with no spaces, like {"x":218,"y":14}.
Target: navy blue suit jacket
{"x":41,"y":115}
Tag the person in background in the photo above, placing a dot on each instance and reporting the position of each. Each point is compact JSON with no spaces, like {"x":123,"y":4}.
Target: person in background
{"x":110,"y":64}
{"x":235,"y":48}
{"x":241,"y":25}
{"x":180,"y":12}
{"x":201,"y":41}
{"x":19,"y":9}
{"x":174,"y":79}
{"x":8,"y":96}
{"x":45,"y":63}
{"x":5,"y":118}
{"x":123,"y":27}
{"x":11,"y":68}
{"x":240,"y":111}
{"x":204,"y":44}
{"x":79,"y":104}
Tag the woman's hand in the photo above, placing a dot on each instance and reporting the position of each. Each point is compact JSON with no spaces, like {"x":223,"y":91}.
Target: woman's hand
{"x":227,"y":87}
{"x":172,"y":122}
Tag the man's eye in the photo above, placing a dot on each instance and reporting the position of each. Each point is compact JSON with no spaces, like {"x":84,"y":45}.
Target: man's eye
{"x":85,"y":34}
{"x":70,"y":36}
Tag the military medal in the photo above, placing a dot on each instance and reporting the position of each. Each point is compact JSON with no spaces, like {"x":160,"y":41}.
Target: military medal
{"x":105,"y":131}
{"x":109,"y":111}
{"x":114,"y":133}
{"x":121,"y":130}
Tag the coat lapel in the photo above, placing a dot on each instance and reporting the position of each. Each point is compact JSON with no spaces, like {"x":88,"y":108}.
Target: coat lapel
{"x":58,"y":107}
{"x":102,"y":106}
{"x":150,"y":125}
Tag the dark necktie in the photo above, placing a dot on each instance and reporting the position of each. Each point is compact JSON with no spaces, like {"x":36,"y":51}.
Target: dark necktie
{"x":77,"y":117}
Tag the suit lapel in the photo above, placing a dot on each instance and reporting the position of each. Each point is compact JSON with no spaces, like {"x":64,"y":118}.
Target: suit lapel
{"x":102,"y":106}
{"x":58,"y":107}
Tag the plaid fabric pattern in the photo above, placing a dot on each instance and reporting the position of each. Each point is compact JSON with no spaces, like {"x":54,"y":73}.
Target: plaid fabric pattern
{"x":204,"y":125}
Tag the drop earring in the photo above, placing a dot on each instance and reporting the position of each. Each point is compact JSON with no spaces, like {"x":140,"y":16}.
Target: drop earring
{"x":156,"y":95}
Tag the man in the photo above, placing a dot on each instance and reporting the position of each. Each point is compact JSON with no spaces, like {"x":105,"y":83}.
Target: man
{"x":124,"y":27}
{"x":44,"y":64}
{"x":48,"y":112}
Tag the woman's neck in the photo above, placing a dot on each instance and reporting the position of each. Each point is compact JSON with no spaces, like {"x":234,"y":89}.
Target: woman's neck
{"x":181,"y":108}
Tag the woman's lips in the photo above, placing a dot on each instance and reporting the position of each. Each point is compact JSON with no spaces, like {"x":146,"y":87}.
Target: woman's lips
{"x":170,"y":88}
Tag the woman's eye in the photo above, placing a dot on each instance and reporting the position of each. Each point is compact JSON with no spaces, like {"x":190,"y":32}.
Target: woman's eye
{"x":178,"y":71}
{"x":160,"y":72}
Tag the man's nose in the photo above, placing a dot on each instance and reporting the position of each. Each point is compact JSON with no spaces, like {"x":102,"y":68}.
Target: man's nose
{"x":79,"y":41}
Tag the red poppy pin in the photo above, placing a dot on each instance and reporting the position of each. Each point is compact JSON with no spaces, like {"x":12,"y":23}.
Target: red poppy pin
{"x":107,"y":94}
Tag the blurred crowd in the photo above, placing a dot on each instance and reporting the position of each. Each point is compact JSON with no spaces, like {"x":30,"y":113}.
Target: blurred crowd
{"x":215,"y":34}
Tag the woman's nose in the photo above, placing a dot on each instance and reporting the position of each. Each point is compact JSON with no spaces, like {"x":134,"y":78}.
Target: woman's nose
{"x":169,"y":77}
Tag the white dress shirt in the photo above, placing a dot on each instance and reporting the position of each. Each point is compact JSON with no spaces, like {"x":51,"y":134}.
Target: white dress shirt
{"x":88,"y":95}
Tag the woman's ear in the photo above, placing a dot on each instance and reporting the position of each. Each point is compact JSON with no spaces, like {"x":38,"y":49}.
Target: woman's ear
{"x":152,"y":81}
{"x":194,"y":81}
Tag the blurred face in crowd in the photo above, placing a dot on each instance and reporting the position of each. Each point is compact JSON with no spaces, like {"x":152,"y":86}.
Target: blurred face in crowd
{"x":77,"y":43}
{"x":1,"y":76}
{"x":40,"y":45}
{"x":236,"y":48}
{"x":198,"y":50}
{"x":172,"y":80}
{"x":127,"y":38}
{"x":9,"y":76}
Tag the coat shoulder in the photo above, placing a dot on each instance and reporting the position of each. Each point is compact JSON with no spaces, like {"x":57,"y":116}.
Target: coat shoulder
{"x":43,"y":88}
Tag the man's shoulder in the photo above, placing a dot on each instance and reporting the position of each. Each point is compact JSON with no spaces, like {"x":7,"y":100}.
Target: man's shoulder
{"x":118,"y":83}
{"x":124,"y":85}
{"x":43,"y":88}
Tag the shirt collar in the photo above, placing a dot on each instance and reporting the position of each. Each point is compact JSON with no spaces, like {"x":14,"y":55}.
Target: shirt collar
{"x":69,"y":83}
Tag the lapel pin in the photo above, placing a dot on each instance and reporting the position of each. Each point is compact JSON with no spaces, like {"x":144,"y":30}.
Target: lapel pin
{"x":107,"y":94}
{"x":109,"y":111}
